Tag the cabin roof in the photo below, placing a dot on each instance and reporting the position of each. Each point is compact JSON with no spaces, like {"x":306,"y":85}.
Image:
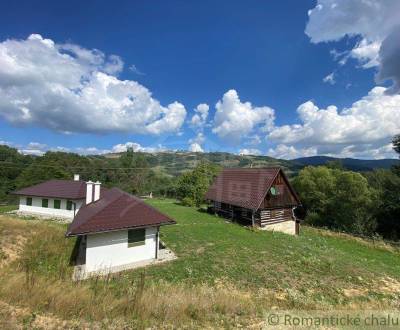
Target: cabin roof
{"x":245,"y":187}
{"x":56,"y":189}
{"x":116,"y":210}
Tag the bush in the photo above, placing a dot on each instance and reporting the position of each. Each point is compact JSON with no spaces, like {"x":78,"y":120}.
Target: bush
{"x":337,"y":199}
{"x":193,"y":185}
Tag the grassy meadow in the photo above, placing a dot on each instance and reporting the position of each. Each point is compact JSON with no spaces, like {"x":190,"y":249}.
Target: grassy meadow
{"x":226,"y":275}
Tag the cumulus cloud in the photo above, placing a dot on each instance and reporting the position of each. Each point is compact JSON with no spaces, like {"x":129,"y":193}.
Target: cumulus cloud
{"x":39,"y":149}
{"x":283,"y":151}
{"x":235,"y":119}
{"x":330,"y":79}
{"x":196,"y":142}
{"x":364,"y":127}
{"x":199,"y":118}
{"x":251,"y":151}
{"x":67,"y":88}
{"x":375,"y":22}
{"x":366,"y":53}
{"x":136,"y":147}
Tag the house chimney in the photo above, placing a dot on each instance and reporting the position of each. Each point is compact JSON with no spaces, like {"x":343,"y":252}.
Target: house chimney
{"x":76,"y":177}
{"x":97,"y":186}
{"x":89,"y":192}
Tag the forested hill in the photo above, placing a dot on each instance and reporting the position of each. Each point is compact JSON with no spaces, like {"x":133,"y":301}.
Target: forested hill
{"x":139,"y":172}
{"x":349,"y":163}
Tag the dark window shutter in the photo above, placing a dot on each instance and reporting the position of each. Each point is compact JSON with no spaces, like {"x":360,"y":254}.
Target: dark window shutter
{"x":45,"y":202}
{"x":136,"y":237}
{"x":57,"y":203}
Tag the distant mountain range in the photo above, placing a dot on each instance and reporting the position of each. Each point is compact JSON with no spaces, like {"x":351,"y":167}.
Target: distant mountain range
{"x":174,"y":163}
{"x":349,"y":163}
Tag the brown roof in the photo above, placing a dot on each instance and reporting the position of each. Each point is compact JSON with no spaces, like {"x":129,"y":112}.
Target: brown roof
{"x":56,"y":188}
{"x":115,"y":210}
{"x":244,"y":187}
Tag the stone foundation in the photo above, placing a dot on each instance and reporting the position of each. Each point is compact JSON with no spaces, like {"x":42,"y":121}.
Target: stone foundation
{"x":287,"y":227}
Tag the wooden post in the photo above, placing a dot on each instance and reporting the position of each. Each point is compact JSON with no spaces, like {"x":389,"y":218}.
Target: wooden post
{"x":252,"y":218}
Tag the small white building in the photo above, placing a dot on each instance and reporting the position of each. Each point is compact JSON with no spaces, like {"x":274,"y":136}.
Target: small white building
{"x":54,"y":198}
{"x":115,"y":231}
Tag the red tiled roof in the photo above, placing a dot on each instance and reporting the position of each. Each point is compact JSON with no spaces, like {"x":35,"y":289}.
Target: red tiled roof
{"x":243,"y":187}
{"x":57,"y":189}
{"x":115,"y":210}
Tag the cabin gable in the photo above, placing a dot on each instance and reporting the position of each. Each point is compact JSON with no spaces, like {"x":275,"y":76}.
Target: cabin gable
{"x":280,"y":194}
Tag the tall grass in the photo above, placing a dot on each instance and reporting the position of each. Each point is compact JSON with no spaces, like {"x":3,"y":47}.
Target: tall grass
{"x":225,"y":275}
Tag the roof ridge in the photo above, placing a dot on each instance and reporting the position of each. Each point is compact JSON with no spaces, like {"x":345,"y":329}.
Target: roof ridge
{"x":138,"y":199}
{"x":100,"y":209}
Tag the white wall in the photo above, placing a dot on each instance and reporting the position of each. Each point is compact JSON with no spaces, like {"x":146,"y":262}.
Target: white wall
{"x":107,"y":250}
{"x":36,"y":207}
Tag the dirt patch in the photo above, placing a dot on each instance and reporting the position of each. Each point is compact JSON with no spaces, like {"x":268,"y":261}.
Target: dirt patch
{"x":11,"y":249}
{"x":354,"y":292}
{"x":389,"y":285}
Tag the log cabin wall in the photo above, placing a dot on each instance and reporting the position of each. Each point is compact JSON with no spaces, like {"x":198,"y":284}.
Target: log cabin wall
{"x":272,"y":216}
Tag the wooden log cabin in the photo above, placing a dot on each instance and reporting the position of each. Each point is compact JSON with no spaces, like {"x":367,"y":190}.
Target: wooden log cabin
{"x":263,"y":197}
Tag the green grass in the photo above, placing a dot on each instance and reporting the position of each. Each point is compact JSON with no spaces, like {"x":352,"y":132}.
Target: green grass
{"x":210,"y":248}
{"x":8,"y":208}
{"x":225,"y":274}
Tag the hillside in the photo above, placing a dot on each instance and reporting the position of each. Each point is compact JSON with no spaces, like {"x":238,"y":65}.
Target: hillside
{"x":174,"y":163}
{"x":349,"y":163}
{"x":225,"y":274}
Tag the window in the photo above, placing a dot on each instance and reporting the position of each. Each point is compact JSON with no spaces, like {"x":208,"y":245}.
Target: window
{"x":57,"y":203}
{"x":29,"y":201}
{"x":45,"y":202}
{"x":136,"y":237}
{"x":69,"y":205}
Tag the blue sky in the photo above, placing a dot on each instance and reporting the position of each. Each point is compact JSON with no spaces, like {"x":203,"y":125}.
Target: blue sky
{"x":272,"y":54}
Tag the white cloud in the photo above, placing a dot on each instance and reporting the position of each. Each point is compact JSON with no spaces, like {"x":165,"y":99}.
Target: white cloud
{"x":251,"y":151}
{"x":254,"y":140}
{"x":195,"y":143}
{"x":330,"y":79}
{"x":136,"y":147}
{"x":375,"y":22}
{"x":235,"y":119}
{"x":282,"y":151}
{"x":331,"y":20}
{"x":366,"y":53}
{"x":195,"y":147}
{"x":134,"y":69}
{"x":199,"y":118}
{"x":67,"y":88}
{"x":367,"y":125}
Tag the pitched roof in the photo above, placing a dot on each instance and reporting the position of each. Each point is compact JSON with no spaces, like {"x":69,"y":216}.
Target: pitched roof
{"x":56,"y":188}
{"x":115,"y":210}
{"x":244,"y":187}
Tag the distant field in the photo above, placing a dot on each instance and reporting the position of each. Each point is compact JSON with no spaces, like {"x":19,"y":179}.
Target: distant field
{"x":225,"y":275}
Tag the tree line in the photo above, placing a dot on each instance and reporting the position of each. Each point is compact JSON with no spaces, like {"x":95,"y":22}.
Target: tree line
{"x":130,"y":172}
{"x":365,"y":203}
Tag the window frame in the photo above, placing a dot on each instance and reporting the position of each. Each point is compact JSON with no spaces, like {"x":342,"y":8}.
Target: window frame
{"x":69,"y":205}
{"x":29,"y":201}
{"x":58,"y":201}
{"x":45,"y":204}
{"x":136,"y":237}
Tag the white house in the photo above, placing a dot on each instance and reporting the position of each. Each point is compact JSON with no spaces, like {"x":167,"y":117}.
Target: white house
{"x":55,"y":198}
{"x":115,"y":230}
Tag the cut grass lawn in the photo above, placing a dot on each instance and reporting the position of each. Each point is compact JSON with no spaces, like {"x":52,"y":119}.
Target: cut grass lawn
{"x":224,"y":273}
{"x":8,"y":208}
